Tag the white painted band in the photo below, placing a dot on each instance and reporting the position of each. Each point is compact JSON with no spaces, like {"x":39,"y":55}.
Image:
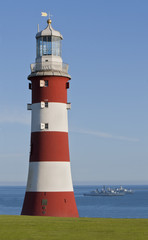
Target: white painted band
{"x":55,"y":115}
{"x":49,"y":177}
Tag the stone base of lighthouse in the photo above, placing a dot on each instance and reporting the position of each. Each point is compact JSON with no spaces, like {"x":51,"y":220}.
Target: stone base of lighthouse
{"x":57,"y":204}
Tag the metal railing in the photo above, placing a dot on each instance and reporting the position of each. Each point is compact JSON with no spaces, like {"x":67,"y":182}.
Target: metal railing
{"x":48,"y":66}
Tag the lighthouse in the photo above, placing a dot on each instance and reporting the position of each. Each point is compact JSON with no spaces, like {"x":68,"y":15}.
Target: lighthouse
{"x":49,"y":190}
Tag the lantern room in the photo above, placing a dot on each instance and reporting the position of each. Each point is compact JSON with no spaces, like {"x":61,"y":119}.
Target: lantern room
{"x":48,"y":45}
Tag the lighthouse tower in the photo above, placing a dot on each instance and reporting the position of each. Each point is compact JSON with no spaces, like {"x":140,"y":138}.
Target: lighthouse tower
{"x":49,"y":190}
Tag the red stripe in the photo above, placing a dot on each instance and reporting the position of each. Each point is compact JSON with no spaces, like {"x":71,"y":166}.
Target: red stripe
{"x":57,"y":204}
{"x":49,"y":146}
{"x":55,"y":92}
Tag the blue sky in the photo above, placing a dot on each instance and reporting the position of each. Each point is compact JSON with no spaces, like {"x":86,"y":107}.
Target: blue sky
{"x":106,"y":46}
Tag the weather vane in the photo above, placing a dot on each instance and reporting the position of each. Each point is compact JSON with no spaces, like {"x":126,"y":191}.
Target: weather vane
{"x":44,"y":14}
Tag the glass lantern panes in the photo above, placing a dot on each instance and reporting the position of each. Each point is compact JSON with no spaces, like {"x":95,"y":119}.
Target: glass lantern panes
{"x":40,"y":46}
{"x":44,"y":46}
{"x":48,"y":45}
{"x":56,"y":46}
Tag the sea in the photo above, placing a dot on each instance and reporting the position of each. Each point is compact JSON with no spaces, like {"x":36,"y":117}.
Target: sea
{"x":128,"y":206}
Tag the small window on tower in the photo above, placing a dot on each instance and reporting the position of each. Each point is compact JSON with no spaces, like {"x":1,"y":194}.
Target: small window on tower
{"x":46,"y":83}
{"x":29,"y":106}
{"x":42,"y":104}
{"x":31,"y":148}
{"x":42,"y":126}
{"x":30,"y":86}
{"x":46,"y":125}
{"x":46,"y":104}
{"x":67,"y":85}
{"x":42,"y":83}
{"x":44,"y":202}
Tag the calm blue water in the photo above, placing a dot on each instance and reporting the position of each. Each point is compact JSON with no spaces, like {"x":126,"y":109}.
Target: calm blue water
{"x":128,"y":206}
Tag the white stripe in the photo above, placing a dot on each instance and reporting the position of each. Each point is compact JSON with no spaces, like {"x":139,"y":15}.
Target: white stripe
{"x":55,"y":115}
{"x":49,"y":177}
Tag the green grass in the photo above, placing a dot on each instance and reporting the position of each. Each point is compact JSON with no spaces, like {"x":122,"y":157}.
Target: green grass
{"x":44,"y":228}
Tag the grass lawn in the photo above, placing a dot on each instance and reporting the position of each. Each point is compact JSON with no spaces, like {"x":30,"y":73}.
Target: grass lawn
{"x":44,"y":228}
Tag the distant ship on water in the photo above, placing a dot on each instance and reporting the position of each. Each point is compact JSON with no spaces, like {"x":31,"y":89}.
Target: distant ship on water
{"x":109,"y":192}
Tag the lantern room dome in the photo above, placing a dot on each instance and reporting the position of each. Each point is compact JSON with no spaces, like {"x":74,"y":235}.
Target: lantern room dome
{"x":49,"y":31}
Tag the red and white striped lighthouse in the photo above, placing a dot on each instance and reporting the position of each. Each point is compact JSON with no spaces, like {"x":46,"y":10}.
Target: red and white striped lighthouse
{"x":49,"y":190}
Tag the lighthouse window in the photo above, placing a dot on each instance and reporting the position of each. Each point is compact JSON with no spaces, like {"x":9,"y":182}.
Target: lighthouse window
{"x":67,"y":85}
{"x":30,"y":86}
{"x":46,"y":104}
{"x":44,"y":202}
{"x":46,"y":83}
{"x":46,"y":125}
